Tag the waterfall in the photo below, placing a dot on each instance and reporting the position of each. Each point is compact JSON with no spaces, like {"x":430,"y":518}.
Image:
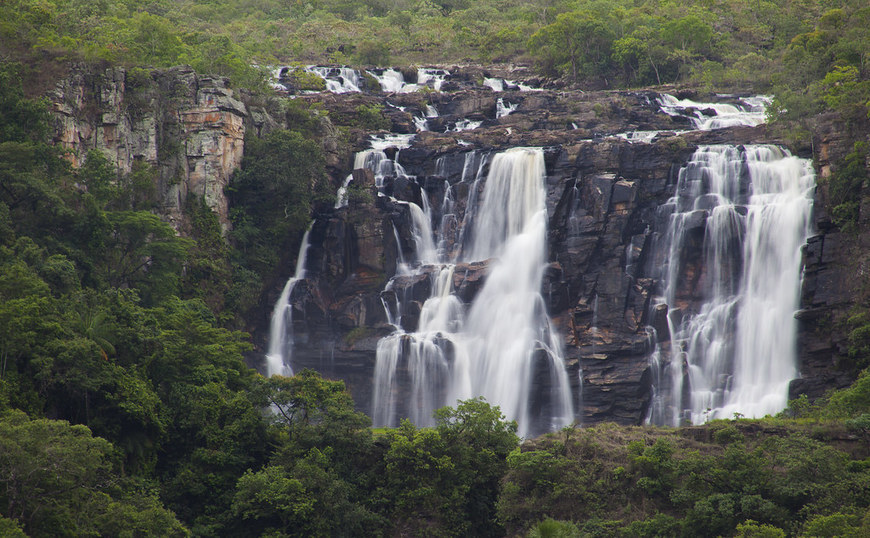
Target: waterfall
{"x":496,"y":84}
{"x":338,"y":79}
{"x":501,"y":84}
{"x":734,"y":353}
{"x":466,"y":124}
{"x":502,"y":108}
{"x":280,"y":333}
{"x":503,"y":343}
{"x":376,"y":160}
{"x":391,"y":81}
{"x":707,"y":116}
{"x":435,"y":77}
{"x":422,"y":122}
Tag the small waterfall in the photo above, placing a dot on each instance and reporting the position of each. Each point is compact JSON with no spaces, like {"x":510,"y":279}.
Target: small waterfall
{"x":341,"y":195}
{"x":735,"y":353}
{"x":391,"y":81}
{"x":376,"y":160}
{"x":496,"y":84}
{"x":465,"y":124}
{"x":502,"y":108}
{"x":422,"y":122}
{"x":422,"y":232}
{"x":502,"y":84}
{"x":504,"y":344}
{"x":430,"y":76}
{"x":338,"y":79}
{"x":708,"y":116}
{"x":280,"y":333}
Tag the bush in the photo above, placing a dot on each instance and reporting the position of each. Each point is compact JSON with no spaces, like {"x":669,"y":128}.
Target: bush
{"x":371,"y":118}
{"x":551,"y":528}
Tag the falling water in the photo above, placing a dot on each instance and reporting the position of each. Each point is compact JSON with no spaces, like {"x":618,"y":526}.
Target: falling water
{"x":280,"y":338}
{"x":431,"y":76}
{"x":503,"y":108}
{"x":337,"y":79}
{"x":496,"y":84}
{"x":391,"y":81}
{"x":466,"y":124}
{"x":736,"y":353}
{"x":504,"y":341}
{"x":708,"y":116}
{"x":501,"y":84}
{"x":376,"y":160}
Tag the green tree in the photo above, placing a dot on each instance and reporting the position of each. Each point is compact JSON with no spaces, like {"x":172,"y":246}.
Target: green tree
{"x":143,"y":252}
{"x":448,"y":477}
{"x":22,"y":119}
{"x":579,"y":40}
{"x":60,"y":481}
{"x":282,"y":174}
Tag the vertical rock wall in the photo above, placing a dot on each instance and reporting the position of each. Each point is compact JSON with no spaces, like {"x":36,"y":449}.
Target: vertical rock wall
{"x":189,"y":126}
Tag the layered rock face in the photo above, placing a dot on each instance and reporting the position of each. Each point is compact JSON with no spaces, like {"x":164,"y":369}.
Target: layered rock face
{"x":189,"y":126}
{"x":603,"y":192}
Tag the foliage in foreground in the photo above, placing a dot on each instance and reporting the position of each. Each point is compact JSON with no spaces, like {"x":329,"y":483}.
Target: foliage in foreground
{"x":717,"y":480}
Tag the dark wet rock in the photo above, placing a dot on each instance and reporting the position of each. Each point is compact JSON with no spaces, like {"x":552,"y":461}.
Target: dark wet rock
{"x":604,"y":195}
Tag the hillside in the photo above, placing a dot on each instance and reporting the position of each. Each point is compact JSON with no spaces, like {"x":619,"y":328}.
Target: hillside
{"x":167,"y":208}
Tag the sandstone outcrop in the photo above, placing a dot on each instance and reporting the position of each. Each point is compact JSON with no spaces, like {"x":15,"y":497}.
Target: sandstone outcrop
{"x":191,"y":127}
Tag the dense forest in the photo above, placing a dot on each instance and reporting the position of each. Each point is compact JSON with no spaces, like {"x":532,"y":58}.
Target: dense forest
{"x":126,"y":404}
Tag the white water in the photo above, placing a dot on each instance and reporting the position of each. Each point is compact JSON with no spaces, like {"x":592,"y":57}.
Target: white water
{"x":496,"y":84}
{"x":501,"y":84}
{"x":430,"y":76}
{"x":466,"y":125}
{"x":643,"y":136}
{"x":375,"y":159}
{"x":723,"y":115}
{"x":278,"y":358}
{"x":505,"y":338}
{"x":502,"y":108}
{"x":338,"y":79}
{"x":736,"y":354}
{"x":422,"y":122}
{"x":392,"y":81}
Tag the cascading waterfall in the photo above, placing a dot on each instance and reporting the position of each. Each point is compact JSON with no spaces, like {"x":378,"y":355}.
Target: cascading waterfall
{"x":338,"y":79}
{"x":432,"y":76}
{"x":708,"y":116}
{"x":280,"y":336}
{"x":504,"y":342}
{"x":736,"y":353}
{"x":466,"y":124}
{"x":376,"y":160}
{"x":495,"y":84}
{"x":503,"y":108}
{"x":422,"y":122}
{"x":501,"y":84}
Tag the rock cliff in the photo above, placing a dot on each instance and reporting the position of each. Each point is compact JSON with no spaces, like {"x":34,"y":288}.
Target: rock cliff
{"x":603,"y":191}
{"x":189,"y":126}
{"x":602,"y":195}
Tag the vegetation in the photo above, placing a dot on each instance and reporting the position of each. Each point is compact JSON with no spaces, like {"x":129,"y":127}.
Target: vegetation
{"x":126,"y":407}
{"x":814,"y":52}
{"x":723,"y":479}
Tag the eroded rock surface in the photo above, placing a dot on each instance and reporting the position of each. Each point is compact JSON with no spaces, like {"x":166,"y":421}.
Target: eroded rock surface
{"x":191,"y":127}
{"x":603,"y":191}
